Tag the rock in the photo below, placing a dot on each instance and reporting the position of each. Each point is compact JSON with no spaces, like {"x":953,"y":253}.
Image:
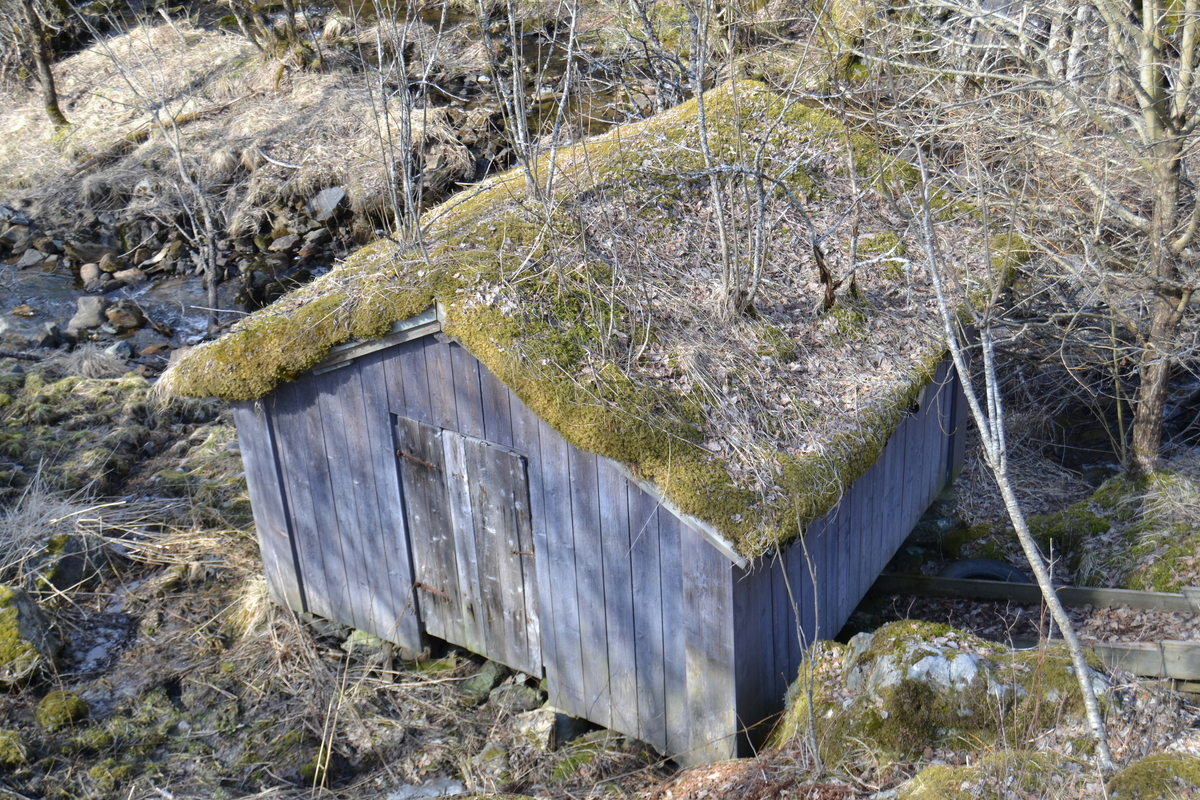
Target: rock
{"x":12,"y":216}
{"x":912,"y":685}
{"x":13,"y":234}
{"x":517,"y":698}
{"x":89,"y":273}
{"x":125,"y":315}
{"x":492,"y":762}
{"x":325,"y":204}
{"x":28,"y":645}
{"x":47,"y":245}
{"x":68,"y":561}
{"x":87,"y":246}
{"x":437,"y":786}
{"x":13,"y":751}
{"x":89,"y":314}
{"x":108,"y":263}
{"x":32,"y":258}
{"x":537,"y":727}
{"x":368,"y":648}
{"x":475,"y":689}
{"x":121,"y":349}
{"x":130,"y":276}
{"x":284,"y":243}
{"x":317,"y":238}
{"x":51,"y":336}
{"x":60,"y":709}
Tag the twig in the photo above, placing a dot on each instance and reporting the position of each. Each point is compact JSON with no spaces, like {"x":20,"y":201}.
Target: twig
{"x":21,"y":356}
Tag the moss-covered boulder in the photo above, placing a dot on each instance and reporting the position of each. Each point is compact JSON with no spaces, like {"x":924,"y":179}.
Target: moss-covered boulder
{"x":28,"y":645}
{"x":916,"y":684}
{"x":1163,"y":775}
{"x":60,"y":709}
{"x":13,"y":751}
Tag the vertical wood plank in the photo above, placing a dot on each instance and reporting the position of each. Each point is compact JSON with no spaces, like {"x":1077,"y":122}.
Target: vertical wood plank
{"x":421,"y":464}
{"x":497,"y":414}
{"x":333,"y":407}
{"x":674,"y":635}
{"x":618,"y":597}
{"x":783,"y":615}
{"x":536,"y":569}
{"x":499,"y":498}
{"x":443,"y":408}
{"x":296,"y":450}
{"x":754,"y":669}
{"x":398,"y":614}
{"x":467,"y":394}
{"x":407,"y":380}
{"x":589,"y":572}
{"x":708,"y":620}
{"x":648,"y":618}
{"x":567,"y":693}
{"x":469,"y":610}
{"x":271,"y":524}
{"x":894,"y":522}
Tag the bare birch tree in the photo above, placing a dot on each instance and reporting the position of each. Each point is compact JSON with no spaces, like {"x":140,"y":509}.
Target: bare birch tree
{"x":1072,"y":121}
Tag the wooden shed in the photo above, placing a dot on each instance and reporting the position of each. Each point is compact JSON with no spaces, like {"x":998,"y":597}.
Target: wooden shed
{"x":536,"y":464}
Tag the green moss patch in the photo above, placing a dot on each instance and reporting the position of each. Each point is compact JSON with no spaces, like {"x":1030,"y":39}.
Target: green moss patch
{"x":602,"y":310}
{"x":13,"y":752}
{"x":60,"y":709}
{"x":1157,"y":777}
{"x":997,"y":777}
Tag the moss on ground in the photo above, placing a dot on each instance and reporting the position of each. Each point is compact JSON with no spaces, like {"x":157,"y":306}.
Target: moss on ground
{"x":60,"y":709}
{"x":998,"y":776}
{"x":1162,"y":776}
{"x":13,"y":751}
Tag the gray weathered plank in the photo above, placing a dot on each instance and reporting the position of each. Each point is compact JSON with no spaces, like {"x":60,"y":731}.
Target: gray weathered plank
{"x":271,"y":523}
{"x":341,"y":452}
{"x":589,"y":575}
{"x":783,"y":620}
{"x":443,"y":409}
{"x":407,"y":380}
{"x":674,"y":635}
{"x":472,"y":632}
{"x":499,"y":496}
{"x":497,"y":415}
{"x":296,"y":450}
{"x":648,"y":618}
{"x":755,"y":670}
{"x":618,"y":596}
{"x":536,"y":568}
{"x":398,"y":613}
{"x":421,"y":463}
{"x":567,"y":692}
{"x":708,"y":620}
{"x":467,"y":393}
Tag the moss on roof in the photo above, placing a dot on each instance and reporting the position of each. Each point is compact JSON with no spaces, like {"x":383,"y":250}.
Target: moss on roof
{"x":601,"y":310}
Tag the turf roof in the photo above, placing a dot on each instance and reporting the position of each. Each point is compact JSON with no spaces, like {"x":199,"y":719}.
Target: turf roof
{"x":600,"y":309}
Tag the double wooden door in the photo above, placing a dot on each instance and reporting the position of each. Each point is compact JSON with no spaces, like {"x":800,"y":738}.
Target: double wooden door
{"x":466,"y":503}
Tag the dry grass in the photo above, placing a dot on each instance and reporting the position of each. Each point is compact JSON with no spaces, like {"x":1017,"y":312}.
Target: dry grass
{"x":212,"y":88}
{"x":93,"y":361}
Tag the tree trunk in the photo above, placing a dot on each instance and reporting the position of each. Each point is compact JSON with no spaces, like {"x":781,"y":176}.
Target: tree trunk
{"x":1166,"y":310}
{"x":41,"y":58}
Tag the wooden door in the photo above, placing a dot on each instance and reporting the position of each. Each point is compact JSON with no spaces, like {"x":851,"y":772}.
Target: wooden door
{"x":467,"y":506}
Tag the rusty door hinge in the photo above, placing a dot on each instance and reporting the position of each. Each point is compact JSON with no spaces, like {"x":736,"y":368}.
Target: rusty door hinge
{"x":415,"y":460}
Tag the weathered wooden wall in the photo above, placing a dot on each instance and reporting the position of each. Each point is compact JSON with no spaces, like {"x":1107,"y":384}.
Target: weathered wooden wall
{"x":821,"y":578}
{"x":644,"y":626}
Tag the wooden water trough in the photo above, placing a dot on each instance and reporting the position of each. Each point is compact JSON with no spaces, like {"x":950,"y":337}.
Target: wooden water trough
{"x":402,"y":489}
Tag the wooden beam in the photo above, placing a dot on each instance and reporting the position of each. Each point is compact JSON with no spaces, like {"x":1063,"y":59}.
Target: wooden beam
{"x":405,"y":330}
{"x":1028,"y":593}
